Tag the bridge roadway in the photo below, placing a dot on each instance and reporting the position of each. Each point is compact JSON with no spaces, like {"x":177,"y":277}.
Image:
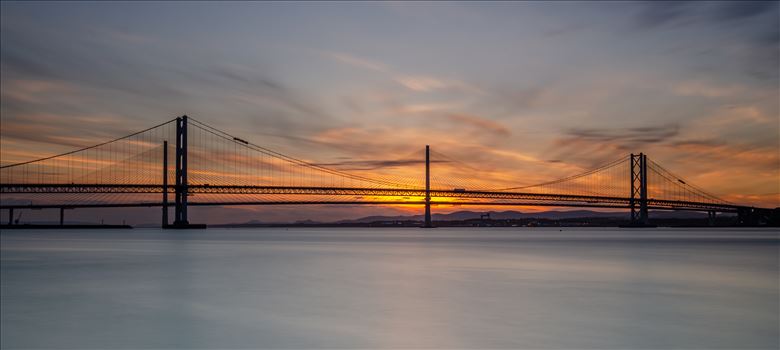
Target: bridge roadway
{"x":452,"y":196}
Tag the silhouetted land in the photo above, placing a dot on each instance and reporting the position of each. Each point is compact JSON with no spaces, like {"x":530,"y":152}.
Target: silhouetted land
{"x":578,"y":218}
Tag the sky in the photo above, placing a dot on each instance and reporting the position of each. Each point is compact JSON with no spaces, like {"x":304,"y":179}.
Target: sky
{"x":534,"y":90}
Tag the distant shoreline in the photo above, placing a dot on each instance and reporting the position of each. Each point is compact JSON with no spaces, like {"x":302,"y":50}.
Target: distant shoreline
{"x":48,"y":226}
{"x":580,"y":222}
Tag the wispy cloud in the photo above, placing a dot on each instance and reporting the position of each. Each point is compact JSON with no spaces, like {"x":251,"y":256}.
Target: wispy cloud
{"x":372,"y":164}
{"x":591,"y":146}
{"x":426,"y":108}
{"x":36,"y":90}
{"x":358,"y":61}
{"x":427,"y":83}
{"x":659,"y":13}
{"x":626,"y":136}
{"x":480,"y":123}
{"x":417,"y":83}
{"x":699,"y":88}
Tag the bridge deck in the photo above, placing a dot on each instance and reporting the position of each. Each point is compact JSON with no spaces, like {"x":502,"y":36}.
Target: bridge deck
{"x":454,"y":197}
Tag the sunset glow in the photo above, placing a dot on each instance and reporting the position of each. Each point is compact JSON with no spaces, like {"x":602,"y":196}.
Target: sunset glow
{"x":517,"y":93}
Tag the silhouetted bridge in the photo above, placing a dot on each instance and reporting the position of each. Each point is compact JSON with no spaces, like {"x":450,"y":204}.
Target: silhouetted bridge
{"x":223,"y":170}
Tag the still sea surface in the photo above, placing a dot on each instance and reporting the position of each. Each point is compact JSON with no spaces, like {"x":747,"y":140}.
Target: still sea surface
{"x":517,"y":288}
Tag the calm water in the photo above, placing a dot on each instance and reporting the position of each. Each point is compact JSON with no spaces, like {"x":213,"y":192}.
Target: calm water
{"x":390,"y":288}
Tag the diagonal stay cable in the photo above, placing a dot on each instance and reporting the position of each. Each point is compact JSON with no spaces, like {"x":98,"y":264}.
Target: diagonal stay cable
{"x":572,"y":177}
{"x":222,"y":134}
{"x":87,"y":148}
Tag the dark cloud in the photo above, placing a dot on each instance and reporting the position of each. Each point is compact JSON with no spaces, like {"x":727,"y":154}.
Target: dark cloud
{"x":564,"y":30}
{"x":252,"y":83}
{"x":593,"y":146}
{"x":16,"y":62}
{"x":58,"y":129}
{"x":377,"y":164}
{"x":738,"y":10}
{"x":764,"y":55}
{"x":758,"y":21}
{"x":661,"y":13}
{"x":627,"y":136}
{"x":697,"y":142}
{"x":252,"y":80}
{"x":110,"y":78}
{"x":657,"y":13}
{"x":25,"y":56}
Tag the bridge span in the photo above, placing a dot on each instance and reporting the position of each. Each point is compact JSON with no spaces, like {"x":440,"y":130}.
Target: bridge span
{"x":213,"y":168}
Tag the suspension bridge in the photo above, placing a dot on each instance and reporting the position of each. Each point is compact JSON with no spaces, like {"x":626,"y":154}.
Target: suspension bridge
{"x":204,"y":166}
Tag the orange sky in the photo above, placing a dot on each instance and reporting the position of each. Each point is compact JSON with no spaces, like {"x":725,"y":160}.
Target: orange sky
{"x":523,"y":92}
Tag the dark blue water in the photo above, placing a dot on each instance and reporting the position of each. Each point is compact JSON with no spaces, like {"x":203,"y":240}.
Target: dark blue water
{"x":390,"y":288}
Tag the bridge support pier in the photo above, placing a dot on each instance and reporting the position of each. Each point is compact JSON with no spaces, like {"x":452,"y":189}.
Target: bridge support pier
{"x":746,"y":217}
{"x":751,"y":216}
{"x":62,"y":216}
{"x":10,"y":216}
{"x":711,"y":218}
{"x":428,"y":223}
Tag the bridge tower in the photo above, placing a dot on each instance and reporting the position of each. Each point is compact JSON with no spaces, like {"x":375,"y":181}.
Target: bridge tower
{"x":181,"y":187}
{"x":638,"y":190}
{"x":427,"y":187}
{"x":180,"y":211}
{"x":165,"y":186}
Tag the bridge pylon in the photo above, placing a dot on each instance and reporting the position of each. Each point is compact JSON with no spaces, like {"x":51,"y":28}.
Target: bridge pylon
{"x":428,"y":223}
{"x":638,"y":199}
{"x":165,"y":186}
{"x":181,"y":187}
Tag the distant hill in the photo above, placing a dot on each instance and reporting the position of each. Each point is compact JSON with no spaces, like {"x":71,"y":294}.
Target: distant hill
{"x":495,"y":215}
{"x":512,"y":214}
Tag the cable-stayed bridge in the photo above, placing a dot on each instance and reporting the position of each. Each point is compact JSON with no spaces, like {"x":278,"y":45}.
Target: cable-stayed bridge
{"x":184,"y":162}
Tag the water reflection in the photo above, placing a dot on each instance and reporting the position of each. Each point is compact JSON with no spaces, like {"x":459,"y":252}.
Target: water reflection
{"x":390,"y":288}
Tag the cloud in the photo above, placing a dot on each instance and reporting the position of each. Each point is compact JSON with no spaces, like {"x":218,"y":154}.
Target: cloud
{"x":16,"y":61}
{"x":742,"y":114}
{"x":423,"y":108}
{"x":513,"y":99}
{"x":481,"y":123}
{"x":698,"y":88}
{"x":626,"y":136}
{"x":739,"y":10}
{"x":763,"y":53}
{"x":657,"y":13}
{"x":26,"y":59}
{"x":375,"y":142}
{"x":593,"y":146}
{"x":697,"y":143}
{"x":756,"y":22}
{"x":730,"y":120}
{"x":372,"y":164}
{"x":126,"y":36}
{"x":357,"y":61}
{"x":418,"y":83}
{"x":427,"y":83}
{"x":264,"y":102}
{"x":36,"y":91}
{"x":514,"y":155}
{"x":565,"y":30}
